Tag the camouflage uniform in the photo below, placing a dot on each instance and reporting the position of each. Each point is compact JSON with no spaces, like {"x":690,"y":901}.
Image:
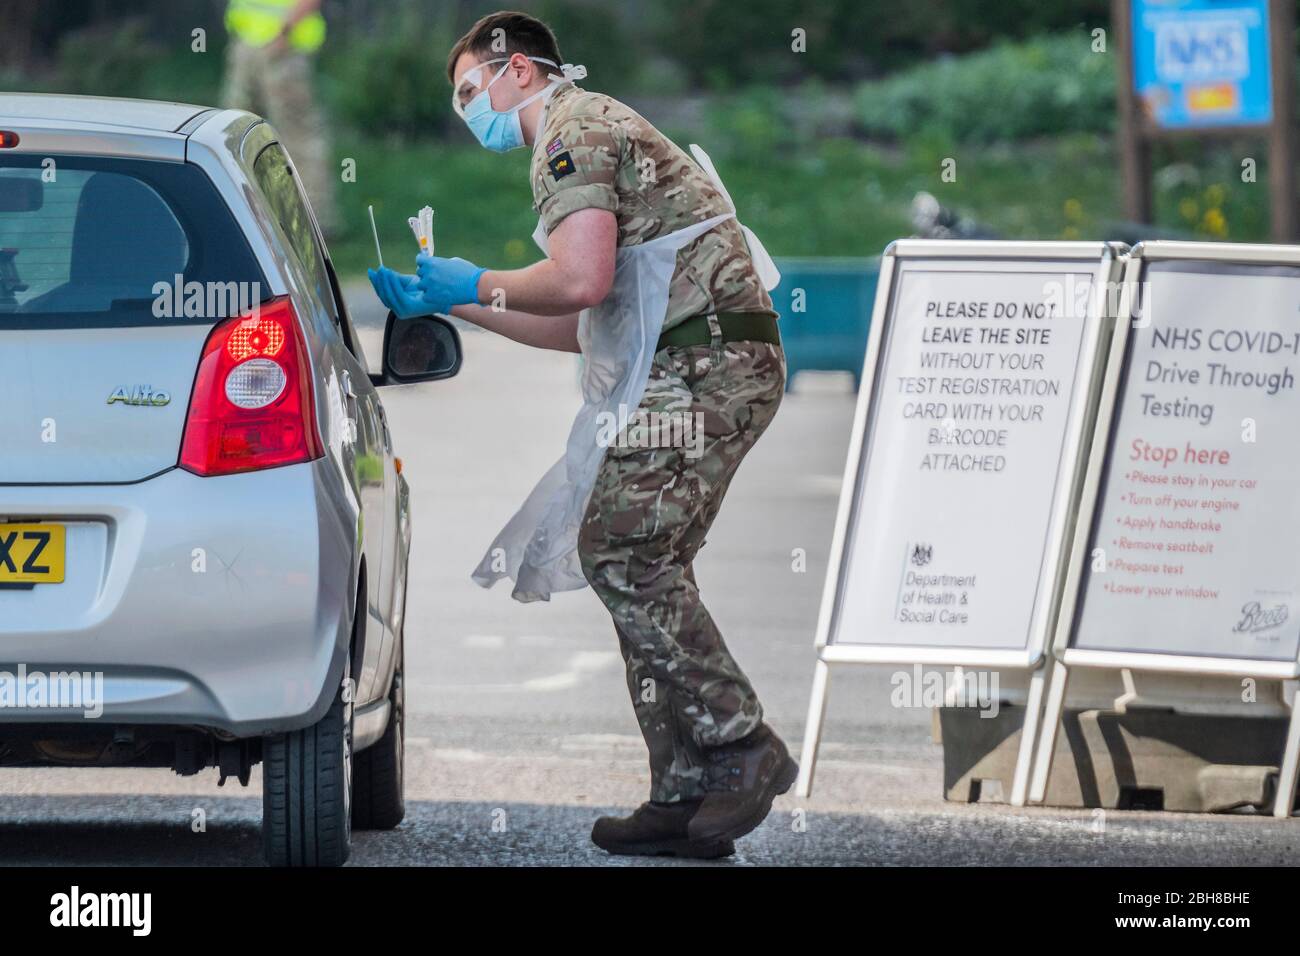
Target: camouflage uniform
{"x":278,"y":85}
{"x":620,"y":163}
{"x":651,"y":507}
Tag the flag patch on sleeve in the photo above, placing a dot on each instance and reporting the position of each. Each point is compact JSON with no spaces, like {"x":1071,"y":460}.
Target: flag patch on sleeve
{"x":561,"y":165}
{"x":554,"y":146}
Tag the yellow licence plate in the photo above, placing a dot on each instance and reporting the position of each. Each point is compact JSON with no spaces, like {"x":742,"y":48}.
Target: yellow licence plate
{"x":32,"y":553}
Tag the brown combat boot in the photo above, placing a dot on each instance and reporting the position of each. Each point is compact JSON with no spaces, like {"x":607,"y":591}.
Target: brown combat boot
{"x":743,"y":778}
{"x":657,"y":829}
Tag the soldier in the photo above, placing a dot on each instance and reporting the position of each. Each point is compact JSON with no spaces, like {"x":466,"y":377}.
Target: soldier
{"x":645,"y":241}
{"x":268,"y":71}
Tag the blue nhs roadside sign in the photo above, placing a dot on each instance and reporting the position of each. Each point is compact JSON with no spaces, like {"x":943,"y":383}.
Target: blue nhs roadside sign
{"x":1199,"y":63}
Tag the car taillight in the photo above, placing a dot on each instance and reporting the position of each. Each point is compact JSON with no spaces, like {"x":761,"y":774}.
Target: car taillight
{"x":252,"y":405}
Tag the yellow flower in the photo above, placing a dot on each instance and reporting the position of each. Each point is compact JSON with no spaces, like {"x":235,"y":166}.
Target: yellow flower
{"x":1189,"y":209}
{"x":1215,"y":194}
{"x":1073,"y":209}
{"x":1214,"y":223}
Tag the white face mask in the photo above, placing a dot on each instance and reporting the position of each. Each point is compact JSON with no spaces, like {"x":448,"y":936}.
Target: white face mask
{"x":499,"y":130}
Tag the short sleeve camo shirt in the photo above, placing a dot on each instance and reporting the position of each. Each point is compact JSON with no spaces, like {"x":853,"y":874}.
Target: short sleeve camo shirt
{"x":596,"y":153}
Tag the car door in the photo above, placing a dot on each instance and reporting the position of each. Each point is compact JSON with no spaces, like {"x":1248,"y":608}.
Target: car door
{"x":392,"y":556}
{"x":365,"y":453}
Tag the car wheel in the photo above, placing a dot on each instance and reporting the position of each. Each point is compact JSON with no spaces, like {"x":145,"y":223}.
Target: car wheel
{"x":378,"y":801}
{"x":307,"y":790}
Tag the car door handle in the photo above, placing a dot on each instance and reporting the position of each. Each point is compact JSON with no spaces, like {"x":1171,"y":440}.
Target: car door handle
{"x":353,"y":406}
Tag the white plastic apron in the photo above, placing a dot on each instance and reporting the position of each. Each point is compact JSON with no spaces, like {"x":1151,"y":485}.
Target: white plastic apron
{"x":538,"y":547}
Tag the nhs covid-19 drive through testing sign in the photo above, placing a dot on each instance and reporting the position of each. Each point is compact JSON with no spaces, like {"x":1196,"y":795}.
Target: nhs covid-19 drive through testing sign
{"x":1199,"y":63}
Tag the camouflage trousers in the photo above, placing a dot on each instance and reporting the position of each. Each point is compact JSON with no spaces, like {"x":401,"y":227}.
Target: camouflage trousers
{"x":649,"y":512}
{"x":278,"y":85}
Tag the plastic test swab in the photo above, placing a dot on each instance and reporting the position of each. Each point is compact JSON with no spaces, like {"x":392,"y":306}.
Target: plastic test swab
{"x":422,"y":227}
{"x":426,"y":224}
{"x":379,"y":252}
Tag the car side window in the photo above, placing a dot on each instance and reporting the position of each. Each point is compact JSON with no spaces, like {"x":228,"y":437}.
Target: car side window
{"x":278,"y":183}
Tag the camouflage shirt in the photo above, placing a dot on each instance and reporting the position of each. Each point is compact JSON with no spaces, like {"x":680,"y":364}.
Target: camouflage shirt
{"x":596,"y":153}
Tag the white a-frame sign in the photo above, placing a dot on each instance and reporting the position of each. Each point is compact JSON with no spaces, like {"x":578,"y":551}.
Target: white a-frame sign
{"x":978,"y":393}
{"x":1184,"y":556}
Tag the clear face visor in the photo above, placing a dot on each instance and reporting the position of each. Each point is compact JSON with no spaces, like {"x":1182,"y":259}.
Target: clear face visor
{"x":472,"y":83}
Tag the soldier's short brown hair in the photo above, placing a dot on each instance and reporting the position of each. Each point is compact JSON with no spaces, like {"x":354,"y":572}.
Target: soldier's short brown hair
{"x":503,"y":34}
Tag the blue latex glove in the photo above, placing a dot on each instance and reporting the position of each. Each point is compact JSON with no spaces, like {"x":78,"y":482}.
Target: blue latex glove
{"x":401,"y":293}
{"x":445,"y":283}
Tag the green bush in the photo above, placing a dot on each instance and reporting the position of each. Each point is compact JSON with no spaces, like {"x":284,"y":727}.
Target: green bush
{"x":124,"y":58}
{"x":1050,"y":84}
{"x":727,"y":44}
{"x":1198,"y":189}
{"x":594,"y":35}
{"x":391,"y":81}
{"x":105,"y":59}
{"x":752,"y":122}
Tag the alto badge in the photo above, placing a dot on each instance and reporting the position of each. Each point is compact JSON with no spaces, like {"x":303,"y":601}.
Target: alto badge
{"x":139,"y":395}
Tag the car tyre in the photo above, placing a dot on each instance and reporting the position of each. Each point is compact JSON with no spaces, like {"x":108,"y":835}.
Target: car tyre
{"x":307,"y":790}
{"x":378,"y":800}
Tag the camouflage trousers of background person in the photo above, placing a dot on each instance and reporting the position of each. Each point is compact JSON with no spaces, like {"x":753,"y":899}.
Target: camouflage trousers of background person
{"x":649,"y":512}
{"x":278,"y":85}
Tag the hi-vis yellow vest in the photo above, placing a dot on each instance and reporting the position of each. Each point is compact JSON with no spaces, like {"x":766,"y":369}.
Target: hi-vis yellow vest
{"x":257,"y":22}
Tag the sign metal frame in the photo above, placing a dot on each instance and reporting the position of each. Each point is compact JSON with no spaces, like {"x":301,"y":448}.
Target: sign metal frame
{"x":1104,"y":261}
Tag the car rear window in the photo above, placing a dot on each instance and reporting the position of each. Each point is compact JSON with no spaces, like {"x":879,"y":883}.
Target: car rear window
{"x":108,"y":242}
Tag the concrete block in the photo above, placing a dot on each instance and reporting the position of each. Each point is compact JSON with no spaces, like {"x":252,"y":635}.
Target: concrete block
{"x":1140,"y":759}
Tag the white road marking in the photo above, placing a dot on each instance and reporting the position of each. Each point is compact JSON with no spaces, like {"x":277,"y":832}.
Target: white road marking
{"x":485,"y":641}
{"x":580,"y":665}
{"x":538,"y":640}
{"x":457,"y":755}
{"x":596,"y":741}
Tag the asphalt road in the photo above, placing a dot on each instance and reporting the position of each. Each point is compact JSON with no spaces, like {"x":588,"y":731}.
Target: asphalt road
{"x":520,"y":732}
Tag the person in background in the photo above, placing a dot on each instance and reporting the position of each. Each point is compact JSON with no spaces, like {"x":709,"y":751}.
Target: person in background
{"x":269,"y":71}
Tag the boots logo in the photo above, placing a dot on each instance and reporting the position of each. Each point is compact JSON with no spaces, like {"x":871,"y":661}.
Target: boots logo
{"x":139,"y":395}
{"x":1255,"y":618}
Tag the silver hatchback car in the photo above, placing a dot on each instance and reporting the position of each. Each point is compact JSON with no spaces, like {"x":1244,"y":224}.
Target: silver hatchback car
{"x":203,"y":529}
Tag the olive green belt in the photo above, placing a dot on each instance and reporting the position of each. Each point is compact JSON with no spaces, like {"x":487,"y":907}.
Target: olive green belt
{"x":736,"y":327}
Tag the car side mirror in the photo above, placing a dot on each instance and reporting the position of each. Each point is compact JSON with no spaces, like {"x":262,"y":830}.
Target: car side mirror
{"x":423,"y":349}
